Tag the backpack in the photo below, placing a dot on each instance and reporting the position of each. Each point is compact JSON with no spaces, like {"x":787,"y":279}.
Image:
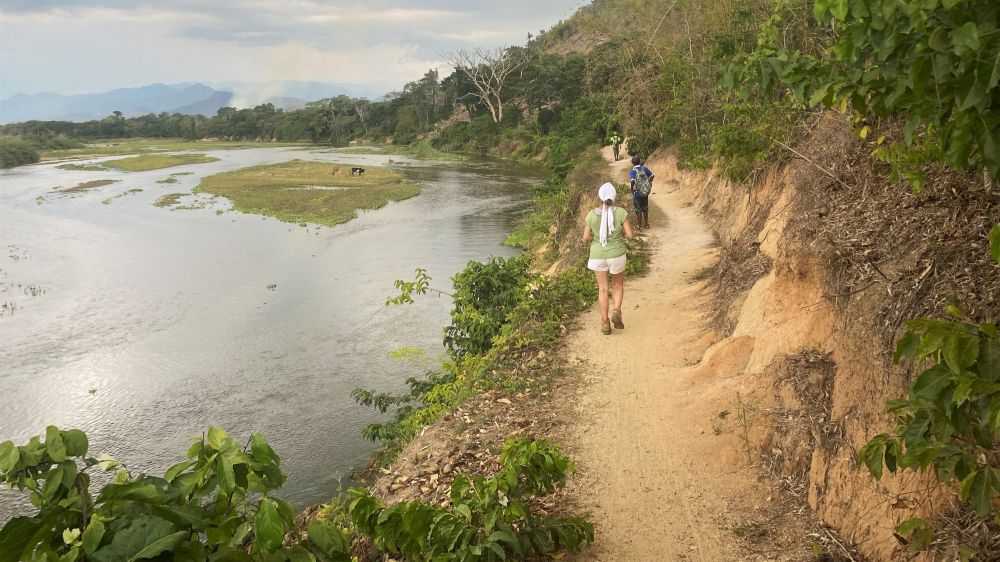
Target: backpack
{"x":643,"y":185}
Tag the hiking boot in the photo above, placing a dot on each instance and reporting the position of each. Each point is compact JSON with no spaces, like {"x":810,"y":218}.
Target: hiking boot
{"x":606,"y":328}
{"x":616,"y":319}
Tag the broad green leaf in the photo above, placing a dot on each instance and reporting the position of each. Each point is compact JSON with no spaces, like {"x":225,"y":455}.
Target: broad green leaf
{"x":931,"y":382}
{"x":9,"y":456}
{"x":146,"y":537}
{"x":917,"y":428}
{"x":464,"y":511}
{"x":838,"y":9}
{"x":328,"y":538}
{"x":227,"y":479}
{"x":54,"y":445}
{"x":965,"y":39}
{"x":977,"y":489}
{"x":178,"y":468}
{"x":261,"y":451}
{"x":988,"y":364}
{"x":216,"y":437}
{"x":92,"y":536}
{"x":76,"y":442}
{"x":960,"y":351}
{"x":269,"y":530}
{"x":16,"y":535}
{"x":906,"y":347}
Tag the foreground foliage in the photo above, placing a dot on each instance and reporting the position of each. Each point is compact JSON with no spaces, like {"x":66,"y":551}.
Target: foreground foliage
{"x":217,"y":505}
{"x":489,"y":519}
{"x":937,"y":64}
{"x":950,"y":421}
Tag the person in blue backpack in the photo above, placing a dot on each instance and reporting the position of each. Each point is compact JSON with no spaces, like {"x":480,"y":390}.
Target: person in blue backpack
{"x":641,"y":178}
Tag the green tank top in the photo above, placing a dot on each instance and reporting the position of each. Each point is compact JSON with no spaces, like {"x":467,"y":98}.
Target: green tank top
{"x":616,"y":241}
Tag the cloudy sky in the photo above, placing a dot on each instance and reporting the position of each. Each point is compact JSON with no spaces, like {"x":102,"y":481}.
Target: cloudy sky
{"x":77,"y":46}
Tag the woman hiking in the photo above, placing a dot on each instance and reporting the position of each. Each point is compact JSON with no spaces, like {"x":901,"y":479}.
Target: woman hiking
{"x":606,"y":229}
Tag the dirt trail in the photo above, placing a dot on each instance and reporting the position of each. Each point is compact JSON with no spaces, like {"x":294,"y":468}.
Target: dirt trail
{"x":662,"y":477}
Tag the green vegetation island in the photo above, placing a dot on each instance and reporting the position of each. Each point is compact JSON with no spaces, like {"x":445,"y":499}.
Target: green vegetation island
{"x":308,"y":192}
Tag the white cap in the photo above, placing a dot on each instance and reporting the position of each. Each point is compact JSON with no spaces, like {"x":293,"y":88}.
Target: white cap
{"x":607,"y":191}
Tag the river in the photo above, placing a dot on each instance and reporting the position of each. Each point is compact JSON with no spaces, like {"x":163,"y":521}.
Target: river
{"x":144,"y":326}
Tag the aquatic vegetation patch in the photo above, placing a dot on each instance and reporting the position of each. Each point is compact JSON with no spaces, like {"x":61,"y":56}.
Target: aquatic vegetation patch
{"x":128,"y":193}
{"x":308,"y":192}
{"x":87,"y":185}
{"x":167,"y":180}
{"x":146,"y":162}
{"x":169,"y":200}
{"x":82,"y":167}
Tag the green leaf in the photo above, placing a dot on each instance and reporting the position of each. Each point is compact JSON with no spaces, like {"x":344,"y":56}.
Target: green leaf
{"x":9,"y":456}
{"x":268,"y":528}
{"x":227,"y":478}
{"x":261,"y":451}
{"x":977,"y":489}
{"x":965,"y":39}
{"x":54,"y":445}
{"x":146,"y":537}
{"x":931,"y":382}
{"x":838,"y":9}
{"x":995,"y":243}
{"x":988,"y":364}
{"x":871,"y":455}
{"x":906,"y":347}
{"x":76,"y":442}
{"x":92,"y":536}
{"x":178,"y":468}
{"x":16,"y":536}
{"x":328,"y":538}
{"x":464,"y":511}
{"x":216,"y":437}
{"x":960,"y":351}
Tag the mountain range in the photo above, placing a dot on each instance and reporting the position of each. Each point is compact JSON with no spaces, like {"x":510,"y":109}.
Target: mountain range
{"x":189,"y":98}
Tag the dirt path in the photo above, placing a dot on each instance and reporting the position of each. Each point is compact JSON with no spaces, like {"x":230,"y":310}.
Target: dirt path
{"x":663,"y":481}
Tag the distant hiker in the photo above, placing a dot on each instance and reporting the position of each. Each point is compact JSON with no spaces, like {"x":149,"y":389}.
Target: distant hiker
{"x":616,"y":143}
{"x":606,"y":229}
{"x":642,"y":184}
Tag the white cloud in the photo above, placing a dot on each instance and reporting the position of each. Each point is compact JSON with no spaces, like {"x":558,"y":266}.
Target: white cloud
{"x":75,"y":46}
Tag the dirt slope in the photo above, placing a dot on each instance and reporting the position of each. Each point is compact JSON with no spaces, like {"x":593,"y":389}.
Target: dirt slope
{"x":657,"y":439}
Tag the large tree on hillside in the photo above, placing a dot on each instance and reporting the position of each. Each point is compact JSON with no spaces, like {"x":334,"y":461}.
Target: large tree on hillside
{"x":488,"y":70}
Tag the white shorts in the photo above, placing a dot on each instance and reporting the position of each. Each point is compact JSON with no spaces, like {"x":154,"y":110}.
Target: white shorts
{"x":614,"y":265}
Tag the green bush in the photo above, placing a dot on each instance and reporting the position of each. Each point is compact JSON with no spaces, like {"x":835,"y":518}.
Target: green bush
{"x":216,"y":505}
{"x":15,"y":151}
{"x":485,"y":293}
{"x":489,"y":519}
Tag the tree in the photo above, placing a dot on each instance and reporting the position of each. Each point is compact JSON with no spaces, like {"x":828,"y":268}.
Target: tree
{"x":361,"y":108}
{"x":488,"y":71}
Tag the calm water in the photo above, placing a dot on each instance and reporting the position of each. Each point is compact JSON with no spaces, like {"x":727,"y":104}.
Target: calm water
{"x":143,"y":326}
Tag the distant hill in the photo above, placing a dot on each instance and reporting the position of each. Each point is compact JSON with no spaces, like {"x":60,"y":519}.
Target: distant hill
{"x":188,"y":98}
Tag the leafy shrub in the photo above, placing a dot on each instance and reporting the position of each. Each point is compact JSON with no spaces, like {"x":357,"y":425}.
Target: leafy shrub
{"x":485,"y":293}
{"x":215,"y":505}
{"x":933,"y":62}
{"x":950,"y":421}
{"x":15,"y":151}
{"x":489,"y":519}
